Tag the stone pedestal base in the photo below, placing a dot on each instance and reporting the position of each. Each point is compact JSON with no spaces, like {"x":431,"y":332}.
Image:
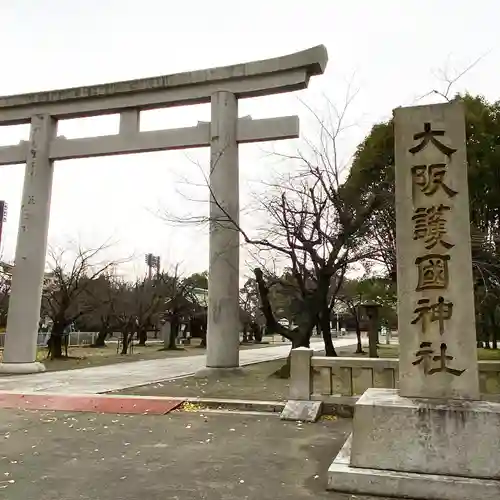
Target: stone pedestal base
{"x":416,"y":448}
{"x":343,"y":477}
{"x":429,"y":436}
{"x":21,"y":368}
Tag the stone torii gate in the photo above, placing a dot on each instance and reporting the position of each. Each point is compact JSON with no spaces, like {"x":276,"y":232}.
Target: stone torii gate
{"x":222,"y":87}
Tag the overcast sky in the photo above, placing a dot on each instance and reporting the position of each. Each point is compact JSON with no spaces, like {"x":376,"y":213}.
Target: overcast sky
{"x":393,"y":51}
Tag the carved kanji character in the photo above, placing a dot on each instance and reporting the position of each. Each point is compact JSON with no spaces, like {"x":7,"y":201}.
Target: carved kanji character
{"x":429,"y":178}
{"x":430,"y":135}
{"x":432,"y":272}
{"x":430,"y":225}
{"x":426,"y":313}
{"x":425,"y":356}
{"x":443,"y":358}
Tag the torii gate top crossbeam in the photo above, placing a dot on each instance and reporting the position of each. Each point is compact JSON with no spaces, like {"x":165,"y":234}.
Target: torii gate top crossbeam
{"x":269,"y":76}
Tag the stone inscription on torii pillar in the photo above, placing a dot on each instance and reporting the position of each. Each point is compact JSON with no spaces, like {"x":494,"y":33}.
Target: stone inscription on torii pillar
{"x":222,"y":87}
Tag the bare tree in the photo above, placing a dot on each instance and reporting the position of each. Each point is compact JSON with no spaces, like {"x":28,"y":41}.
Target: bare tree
{"x":66,"y":289}
{"x":102,"y":296}
{"x":181,"y":304}
{"x":139,"y":306}
{"x":448,"y":77}
{"x":317,"y":223}
{"x":135,"y":308}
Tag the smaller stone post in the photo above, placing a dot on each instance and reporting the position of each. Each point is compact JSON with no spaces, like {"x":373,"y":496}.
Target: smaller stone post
{"x":300,"y":405}
{"x":300,"y":374}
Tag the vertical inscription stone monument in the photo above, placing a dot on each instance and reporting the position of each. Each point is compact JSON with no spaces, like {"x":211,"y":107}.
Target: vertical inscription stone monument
{"x":433,"y":438}
{"x":437,"y":332}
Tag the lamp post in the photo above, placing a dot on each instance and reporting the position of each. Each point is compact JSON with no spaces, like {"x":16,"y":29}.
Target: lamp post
{"x":372,"y":311}
{"x":152,"y":261}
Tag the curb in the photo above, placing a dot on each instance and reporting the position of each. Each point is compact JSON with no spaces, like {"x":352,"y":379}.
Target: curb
{"x":114,"y":403}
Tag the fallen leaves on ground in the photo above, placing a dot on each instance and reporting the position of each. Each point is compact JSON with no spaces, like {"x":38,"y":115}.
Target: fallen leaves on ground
{"x":191,"y":407}
{"x":329,"y":417}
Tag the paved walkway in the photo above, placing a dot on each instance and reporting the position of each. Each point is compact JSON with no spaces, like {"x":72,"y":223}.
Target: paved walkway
{"x":100,"y":379}
{"x":179,"y":456}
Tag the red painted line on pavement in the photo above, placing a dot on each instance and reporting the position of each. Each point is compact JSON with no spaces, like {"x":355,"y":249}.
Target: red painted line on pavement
{"x":89,"y":403}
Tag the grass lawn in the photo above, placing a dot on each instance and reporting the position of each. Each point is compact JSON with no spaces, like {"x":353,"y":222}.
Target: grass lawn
{"x":255,"y":383}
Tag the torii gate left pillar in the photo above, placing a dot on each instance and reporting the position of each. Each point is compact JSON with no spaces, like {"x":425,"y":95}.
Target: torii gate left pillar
{"x":220,"y":86}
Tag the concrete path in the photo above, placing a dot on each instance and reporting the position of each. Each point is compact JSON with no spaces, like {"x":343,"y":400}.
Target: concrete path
{"x":179,"y":456}
{"x":100,"y":379}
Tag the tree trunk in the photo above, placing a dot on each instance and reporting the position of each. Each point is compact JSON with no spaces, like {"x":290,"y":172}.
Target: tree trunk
{"x":100,"y":340}
{"x":174,"y":331}
{"x":166,"y":330}
{"x":55,"y":345}
{"x":55,"y":340}
{"x":256,"y":332}
{"x":125,"y":341}
{"x":324,"y":325}
{"x":143,"y":336}
{"x":203,"y":342}
{"x":284,"y":371}
{"x":299,"y":337}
